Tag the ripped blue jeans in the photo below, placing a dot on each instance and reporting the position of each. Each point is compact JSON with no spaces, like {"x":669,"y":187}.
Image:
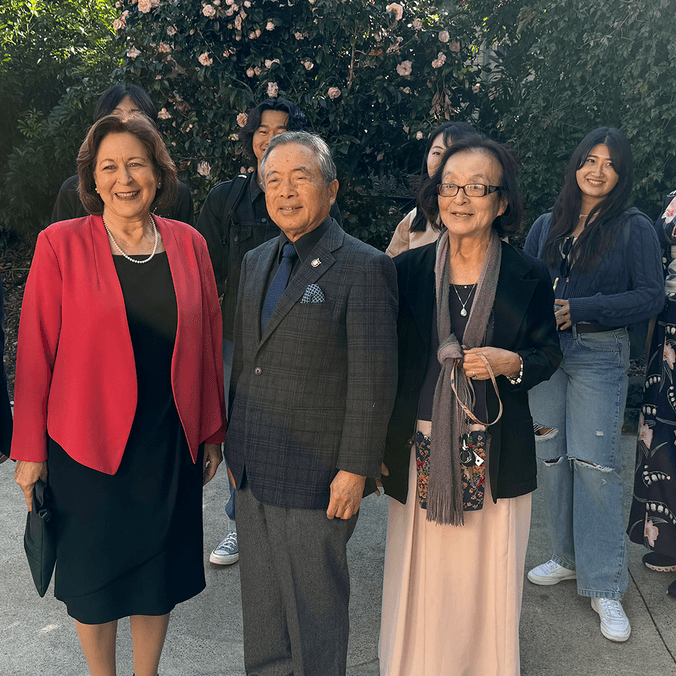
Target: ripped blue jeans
{"x":584,"y":401}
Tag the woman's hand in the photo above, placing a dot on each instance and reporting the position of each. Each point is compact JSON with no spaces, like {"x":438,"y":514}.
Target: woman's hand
{"x":503,"y":363}
{"x":383,"y":472}
{"x":213,"y":457}
{"x":26,"y":475}
{"x":562,"y":315}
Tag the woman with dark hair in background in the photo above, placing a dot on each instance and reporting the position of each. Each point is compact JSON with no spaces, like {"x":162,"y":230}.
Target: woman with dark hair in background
{"x":119,"y":394}
{"x":475,"y":334}
{"x":122,"y":99}
{"x":652,"y":521}
{"x":414,"y":230}
{"x":605,"y":265}
{"x":234,"y":219}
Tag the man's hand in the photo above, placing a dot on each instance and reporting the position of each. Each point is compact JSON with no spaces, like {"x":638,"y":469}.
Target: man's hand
{"x":347,"y":490}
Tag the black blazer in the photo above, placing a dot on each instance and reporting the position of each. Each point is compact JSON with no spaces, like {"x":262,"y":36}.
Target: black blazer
{"x":313,"y":394}
{"x":523,"y":322}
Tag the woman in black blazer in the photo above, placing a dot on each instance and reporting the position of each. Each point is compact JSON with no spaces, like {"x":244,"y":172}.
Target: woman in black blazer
{"x":456,"y":544}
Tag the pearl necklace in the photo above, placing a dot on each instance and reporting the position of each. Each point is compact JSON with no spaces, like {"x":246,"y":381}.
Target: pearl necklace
{"x":129,"y":258}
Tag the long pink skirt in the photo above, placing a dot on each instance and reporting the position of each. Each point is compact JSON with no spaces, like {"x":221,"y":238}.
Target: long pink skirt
{"x":452,"y":595}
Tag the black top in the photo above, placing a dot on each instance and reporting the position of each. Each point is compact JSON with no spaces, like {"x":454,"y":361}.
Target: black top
{"x":459,"y":323}
{"x":234,"y":220}
{"x":68,"y":204}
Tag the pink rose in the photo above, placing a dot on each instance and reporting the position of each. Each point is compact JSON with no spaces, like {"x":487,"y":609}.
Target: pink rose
{"x":132,"y":53}
{"x":171,"y":31}
{"x":308,"y":65}
{"x":269,"y":26}
{"x":250,"y":72}
{"x":164,"y":114}
{"x":405,"y":68}
{"x":454,"y":46}
{"x":241,"y":119}
{"x":209,"y":11}
{"x":144,"y":6}
{"x":419,"y":136}
{"x":119,"y":24}
{"x":439,"y":61}
{"x":204,"y":168}
{"x":334,"y":93}
{"x":417,"y":24}
{"x":444,"y":36}
{"x":164,"y":48}
{"x":205,"y":59}
{"x":396,"y":9}
{"x":273,"y":90}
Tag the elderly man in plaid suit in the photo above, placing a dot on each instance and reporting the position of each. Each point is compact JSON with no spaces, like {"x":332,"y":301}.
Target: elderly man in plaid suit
{"x":313,"y":383}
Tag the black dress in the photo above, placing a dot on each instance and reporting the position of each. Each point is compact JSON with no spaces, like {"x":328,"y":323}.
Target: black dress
{"x":131,"y":543}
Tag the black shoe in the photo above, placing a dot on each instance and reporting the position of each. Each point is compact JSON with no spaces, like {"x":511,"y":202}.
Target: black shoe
{"x":671,"y":589}
{"x":659,"y":562}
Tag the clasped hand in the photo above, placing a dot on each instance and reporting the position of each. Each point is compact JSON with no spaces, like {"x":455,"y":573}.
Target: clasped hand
{"x":503,"y":363}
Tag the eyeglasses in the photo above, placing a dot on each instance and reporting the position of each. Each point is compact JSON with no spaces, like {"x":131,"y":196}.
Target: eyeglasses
{"x":471,"y":189}
{"x":566,"y":247}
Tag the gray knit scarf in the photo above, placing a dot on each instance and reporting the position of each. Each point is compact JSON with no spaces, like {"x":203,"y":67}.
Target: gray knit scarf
{"x":449,"y":422}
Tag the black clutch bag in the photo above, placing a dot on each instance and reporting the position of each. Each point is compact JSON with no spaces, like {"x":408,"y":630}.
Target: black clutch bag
{"x":38,"y":540}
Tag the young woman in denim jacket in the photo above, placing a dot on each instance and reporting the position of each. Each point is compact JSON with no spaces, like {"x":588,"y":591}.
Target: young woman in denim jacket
{"x":605,"y":263}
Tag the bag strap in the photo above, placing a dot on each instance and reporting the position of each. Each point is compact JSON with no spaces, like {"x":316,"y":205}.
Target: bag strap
{"x":235,"y":195}
{"x":468,"y":412}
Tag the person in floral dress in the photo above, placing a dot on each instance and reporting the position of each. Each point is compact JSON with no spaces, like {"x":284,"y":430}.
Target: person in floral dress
{"x":652,"y":521}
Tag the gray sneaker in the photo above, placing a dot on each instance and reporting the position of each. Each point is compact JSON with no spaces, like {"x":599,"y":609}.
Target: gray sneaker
{"x":226,"y":553}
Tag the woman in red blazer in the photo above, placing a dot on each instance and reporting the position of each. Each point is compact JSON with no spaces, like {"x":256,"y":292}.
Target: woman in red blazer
{"x":119,"y":394}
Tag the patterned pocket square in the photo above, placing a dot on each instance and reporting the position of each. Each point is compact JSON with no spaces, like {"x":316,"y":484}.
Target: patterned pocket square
{"x":313,"y":294}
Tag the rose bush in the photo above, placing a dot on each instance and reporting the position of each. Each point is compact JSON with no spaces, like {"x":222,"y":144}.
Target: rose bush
{"x":372,"y":78}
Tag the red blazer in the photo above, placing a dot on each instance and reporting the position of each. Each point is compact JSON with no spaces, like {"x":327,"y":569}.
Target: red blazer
{"x":75,"y":371}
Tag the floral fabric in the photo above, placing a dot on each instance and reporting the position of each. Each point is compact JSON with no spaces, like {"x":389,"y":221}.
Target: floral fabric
{"x":473,"y":477}
{"x":652,"y":521}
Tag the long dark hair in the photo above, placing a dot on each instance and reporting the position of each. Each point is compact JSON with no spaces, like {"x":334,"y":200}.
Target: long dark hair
{"x":510,"y":221}
{"x":600,"y":233}
{"x":113,"y":95}
{"x":296,"y":122}
{"x":452,"y":132}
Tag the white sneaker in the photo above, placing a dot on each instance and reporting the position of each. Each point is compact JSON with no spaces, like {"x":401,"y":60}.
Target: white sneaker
{"x":227,"y":552}
{"x":614,"y":623}
{"x":550,"y":573}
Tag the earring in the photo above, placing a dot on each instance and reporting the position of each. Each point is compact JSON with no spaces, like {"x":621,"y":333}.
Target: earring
{"x":96,"y":188}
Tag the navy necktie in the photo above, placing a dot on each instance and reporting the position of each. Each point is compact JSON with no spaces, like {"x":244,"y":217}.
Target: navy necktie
{"x":278,"y":284}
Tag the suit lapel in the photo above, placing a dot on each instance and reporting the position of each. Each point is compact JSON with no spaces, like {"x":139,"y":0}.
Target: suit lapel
{"x":305,"y":274}
{"x":512,"y":297}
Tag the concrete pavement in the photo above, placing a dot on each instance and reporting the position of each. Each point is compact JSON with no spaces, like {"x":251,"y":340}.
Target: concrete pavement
{"x":559,"y":630}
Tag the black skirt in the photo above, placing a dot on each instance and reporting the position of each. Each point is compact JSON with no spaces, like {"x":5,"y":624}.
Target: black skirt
{"x":131,"y":543}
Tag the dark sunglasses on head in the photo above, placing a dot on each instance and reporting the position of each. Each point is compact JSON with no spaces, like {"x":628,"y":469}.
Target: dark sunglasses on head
{"x":566,"y":247}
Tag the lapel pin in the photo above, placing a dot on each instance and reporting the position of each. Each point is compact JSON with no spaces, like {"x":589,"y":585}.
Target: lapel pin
{"x":316,"y":263}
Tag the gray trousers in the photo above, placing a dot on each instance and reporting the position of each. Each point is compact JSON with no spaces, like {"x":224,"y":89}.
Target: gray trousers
{"x":295,"y":589}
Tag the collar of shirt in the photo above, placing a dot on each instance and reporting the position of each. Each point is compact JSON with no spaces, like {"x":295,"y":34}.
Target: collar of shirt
{"x":305,"y":244}
{"x":255,"y":190}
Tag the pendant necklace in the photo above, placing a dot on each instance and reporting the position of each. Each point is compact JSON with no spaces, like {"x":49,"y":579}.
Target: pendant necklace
{"x":463,"y":311}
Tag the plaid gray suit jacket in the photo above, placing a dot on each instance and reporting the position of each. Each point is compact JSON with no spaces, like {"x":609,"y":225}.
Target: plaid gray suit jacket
{"x":314,"y":393}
